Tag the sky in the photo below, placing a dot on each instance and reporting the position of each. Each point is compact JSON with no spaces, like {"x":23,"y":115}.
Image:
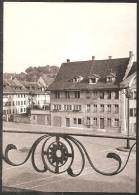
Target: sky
{"x":39,"y":34}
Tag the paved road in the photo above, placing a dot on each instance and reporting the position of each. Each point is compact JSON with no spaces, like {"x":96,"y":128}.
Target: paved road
{"x":26,"y":177}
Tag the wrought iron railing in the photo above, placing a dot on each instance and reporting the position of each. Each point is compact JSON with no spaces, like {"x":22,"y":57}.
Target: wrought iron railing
{"x":58,"y":154}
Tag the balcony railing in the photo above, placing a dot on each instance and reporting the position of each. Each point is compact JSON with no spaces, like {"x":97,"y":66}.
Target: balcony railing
{"x":58,"y":152}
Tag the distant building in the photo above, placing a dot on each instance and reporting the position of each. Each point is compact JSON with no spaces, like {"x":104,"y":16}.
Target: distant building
{"x":15,"y":98}
{"x":87,"y":94}
{"x":18,"y":96}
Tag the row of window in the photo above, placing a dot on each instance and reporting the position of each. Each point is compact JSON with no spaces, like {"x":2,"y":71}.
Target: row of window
{"x":108,"y":122}
{"x":102,"y":108}
{"x":95,"y":122}
{"x":67,"y":107}
{"x":18,"y":95}
{"x":14,"y":111}
{"x":132,"y":112}
{"x":15,"y":103}
{"x":95,"y":94}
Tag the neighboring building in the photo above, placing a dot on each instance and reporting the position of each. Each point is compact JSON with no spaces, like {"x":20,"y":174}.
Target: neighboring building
{"x":18,"y":96}
{"x":15,"y":99}
{"x":41,"y":117}
{"x":87,"y":94}
{"x":38,"y":95}
{"x":130,"y":82}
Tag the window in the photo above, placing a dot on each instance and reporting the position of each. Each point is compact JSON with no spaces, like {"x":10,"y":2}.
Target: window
{"x":92,"y":80}
{"x":57,"y":107}
{"x":34,"y":117}
{"x":109,"y":94}
{"x":79,"y":121}
{"x":132,"y":112}
{"x":95,"y":107}
{"x":88,"y":120}
{"x":109,"y":79}
{"x":77,"y":94}
{"x":135,"y":94}
{"x":109,"y":108}
{"x":24,"y":109}
{"x":88,"y":107}
{"x":101,"y":95}
{"x":18,"y":102}
{"x":24,"y":102}
{"x":116,"y":122}
{"x":116,"y":108}
{"x":102,"y":108}
{"x":109,"y":122}
{"x":75,"y":121}
{"x":21,"y":110}
{"x":77,"y":107}
{"x":67,"y":94}
{"x":88,"y":94}
{"x":95,"y":121}
{"x":117,"y":95}
{"x":95,"y":93}
{"x":21,"y":102}
{"x":4,"y":111}
{"x":13,"y":103}
{"x":57,"y":94}
{"x":19,"y":95}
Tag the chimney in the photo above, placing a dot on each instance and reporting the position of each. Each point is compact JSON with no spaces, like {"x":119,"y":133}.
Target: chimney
{"x":93,"y":57}
{"x":109,"y":57}
{"x":130,"y":54}
{"x":68,"y":60}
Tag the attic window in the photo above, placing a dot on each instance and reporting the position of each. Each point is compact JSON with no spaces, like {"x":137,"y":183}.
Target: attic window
{"x":77,"y":79}
{"x":110,"y":78}
{"x":92,"y":80}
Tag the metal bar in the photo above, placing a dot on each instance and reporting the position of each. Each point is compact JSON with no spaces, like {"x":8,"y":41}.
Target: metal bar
{"x":71,"y":134}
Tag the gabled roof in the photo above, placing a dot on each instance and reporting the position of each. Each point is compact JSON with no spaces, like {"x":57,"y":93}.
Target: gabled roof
{"x":85,"y":68}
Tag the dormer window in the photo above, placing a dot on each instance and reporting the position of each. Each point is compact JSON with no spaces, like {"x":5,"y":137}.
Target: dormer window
{"x":77,"y":79}
{"x":111,"y":78}
{"x":93,"y":79}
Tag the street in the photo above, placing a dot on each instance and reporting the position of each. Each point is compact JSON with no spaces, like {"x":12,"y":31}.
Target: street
{"x":25,"y":177}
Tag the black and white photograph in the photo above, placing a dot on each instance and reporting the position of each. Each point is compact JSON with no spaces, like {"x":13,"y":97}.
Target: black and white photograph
{"x":69,"y":97}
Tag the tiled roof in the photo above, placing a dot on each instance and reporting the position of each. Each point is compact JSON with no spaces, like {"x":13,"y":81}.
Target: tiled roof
{"x":9,"y":89}
{"x":85,"y":68}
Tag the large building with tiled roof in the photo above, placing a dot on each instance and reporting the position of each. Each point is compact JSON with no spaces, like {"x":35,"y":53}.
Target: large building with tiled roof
{"x":87,"y":94}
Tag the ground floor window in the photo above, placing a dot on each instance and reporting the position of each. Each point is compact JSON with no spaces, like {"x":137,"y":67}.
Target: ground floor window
{"x":75,"y":121}
{"x":79,"y":121}
{"x":116,"y":122}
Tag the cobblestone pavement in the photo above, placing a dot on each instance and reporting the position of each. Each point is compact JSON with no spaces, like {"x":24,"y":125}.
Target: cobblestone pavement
{"x":25,"y":177}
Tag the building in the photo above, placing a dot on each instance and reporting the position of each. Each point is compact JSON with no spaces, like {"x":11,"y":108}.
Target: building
{"x":129,"y":103}
{"x":87,"y":94}
{"x":18,"y":96}
{"x":38,"y":97}
{"x":15,"y":99}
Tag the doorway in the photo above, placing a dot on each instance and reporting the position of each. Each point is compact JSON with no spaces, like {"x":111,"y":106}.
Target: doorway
{"x":67,"y":122}
{"x":101,"y":123}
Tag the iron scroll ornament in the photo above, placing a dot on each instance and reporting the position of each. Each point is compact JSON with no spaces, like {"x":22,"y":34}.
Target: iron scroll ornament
{"x":57,"y":155}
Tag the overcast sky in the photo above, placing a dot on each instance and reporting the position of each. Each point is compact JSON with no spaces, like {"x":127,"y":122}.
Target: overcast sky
{"x":39,"y":34}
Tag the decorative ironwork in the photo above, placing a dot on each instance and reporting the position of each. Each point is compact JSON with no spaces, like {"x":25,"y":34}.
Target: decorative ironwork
{"x":58,"y":154}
